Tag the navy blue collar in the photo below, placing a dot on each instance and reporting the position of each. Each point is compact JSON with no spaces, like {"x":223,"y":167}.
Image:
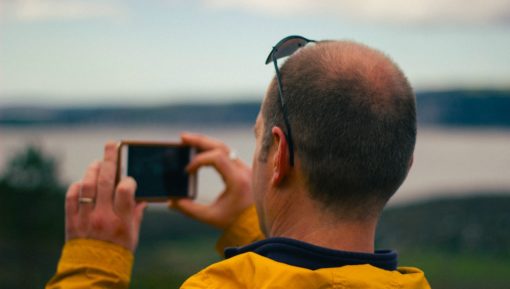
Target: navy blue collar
{"x":305,"y":255}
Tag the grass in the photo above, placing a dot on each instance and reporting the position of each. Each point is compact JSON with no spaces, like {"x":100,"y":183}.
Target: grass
{"x":455,"y":270}
{"x":169,"y":264}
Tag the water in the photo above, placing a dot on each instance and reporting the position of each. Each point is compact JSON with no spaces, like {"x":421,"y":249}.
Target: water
{"x":447,"y":161}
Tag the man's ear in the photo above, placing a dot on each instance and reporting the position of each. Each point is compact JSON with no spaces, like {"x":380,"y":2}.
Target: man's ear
{"x":280,"y":157}
{"x":410,"y":164}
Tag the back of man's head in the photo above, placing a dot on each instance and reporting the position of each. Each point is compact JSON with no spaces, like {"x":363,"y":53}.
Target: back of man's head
{"x":353,"y":119}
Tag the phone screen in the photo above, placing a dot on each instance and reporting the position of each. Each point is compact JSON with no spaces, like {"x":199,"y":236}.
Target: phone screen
{"x":159,"y":170}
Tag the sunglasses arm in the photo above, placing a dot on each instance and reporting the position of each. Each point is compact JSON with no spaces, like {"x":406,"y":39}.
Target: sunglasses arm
{"x":284,"y":108}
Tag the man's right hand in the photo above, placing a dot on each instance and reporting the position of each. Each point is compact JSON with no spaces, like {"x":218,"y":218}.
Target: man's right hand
{"x":237,"y":195}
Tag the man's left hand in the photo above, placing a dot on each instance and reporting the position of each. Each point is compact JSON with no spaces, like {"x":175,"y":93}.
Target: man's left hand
{"x":97,"y":209}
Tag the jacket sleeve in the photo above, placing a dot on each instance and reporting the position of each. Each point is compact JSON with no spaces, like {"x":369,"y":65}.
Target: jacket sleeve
{"x":87,"y":263}
{"x":243,"y":231}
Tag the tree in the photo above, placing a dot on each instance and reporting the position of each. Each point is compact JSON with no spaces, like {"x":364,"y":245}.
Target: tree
{"x":31,"y":218}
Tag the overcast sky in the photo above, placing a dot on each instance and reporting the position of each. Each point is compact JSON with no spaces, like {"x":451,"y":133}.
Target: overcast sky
{"x":83,"y":52}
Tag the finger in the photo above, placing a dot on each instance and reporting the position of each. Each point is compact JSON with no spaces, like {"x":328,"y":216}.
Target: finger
{"x":88,"y":190}
{"x":192,"y":209}
{"x":105,"y":185}
{"x":202,"y":142}
{"x":107,"y":176}
{"x":137,"y":222}
{"x":72,"y":195}
{"x":110,"y":152}
{"x":124,"y":202}
{"x":215,"y":158}
{"x":138,"y":216}
{"x":71,"y":209}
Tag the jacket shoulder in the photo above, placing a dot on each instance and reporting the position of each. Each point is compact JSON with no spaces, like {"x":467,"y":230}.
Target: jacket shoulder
{"x":250,"y":270}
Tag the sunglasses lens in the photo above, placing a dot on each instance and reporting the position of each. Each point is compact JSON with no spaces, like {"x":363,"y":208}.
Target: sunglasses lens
{"x":289,"y":47}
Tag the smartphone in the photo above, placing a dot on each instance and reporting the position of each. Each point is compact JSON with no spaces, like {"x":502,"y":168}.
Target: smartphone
{"x":158,"y":168}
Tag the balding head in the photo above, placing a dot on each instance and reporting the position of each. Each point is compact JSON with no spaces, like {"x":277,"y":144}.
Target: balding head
{"x":352,"y":114}
{"x":354,"y":63}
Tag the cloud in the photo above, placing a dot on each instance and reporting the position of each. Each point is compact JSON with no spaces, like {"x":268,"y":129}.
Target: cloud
{"x":43,"y":10}
{"x":389,"y":11}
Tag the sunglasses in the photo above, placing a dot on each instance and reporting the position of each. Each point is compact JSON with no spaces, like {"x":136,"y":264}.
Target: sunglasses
{"x":286,"y":47}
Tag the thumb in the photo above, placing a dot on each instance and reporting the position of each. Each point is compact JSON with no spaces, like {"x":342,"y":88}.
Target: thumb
{"x":191,"y":209}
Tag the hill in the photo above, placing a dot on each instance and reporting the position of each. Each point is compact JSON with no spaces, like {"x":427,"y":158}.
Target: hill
{"x":479,"y":108}
{"x":476,"y":224}
{"x":464,"y":108}
{"x":165,"y":114}
{"x":458,"y":243}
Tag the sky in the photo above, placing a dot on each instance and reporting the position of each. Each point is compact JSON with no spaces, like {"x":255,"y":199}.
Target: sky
{"x":112,"y":52}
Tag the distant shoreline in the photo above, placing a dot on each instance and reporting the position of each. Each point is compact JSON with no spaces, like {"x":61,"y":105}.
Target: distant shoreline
{"x":452,"y":108}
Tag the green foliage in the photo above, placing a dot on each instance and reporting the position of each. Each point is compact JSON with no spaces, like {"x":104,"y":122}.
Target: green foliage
{"x":446,"y":269}
{"x":31,"y":219}
{"x":172,"y":247}
{"x":458,"y":242}
{"x":31,"y":170}
{"x":476,"y":224}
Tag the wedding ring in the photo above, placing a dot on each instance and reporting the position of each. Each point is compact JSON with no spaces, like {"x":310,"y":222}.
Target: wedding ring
{"x":85,"y":200}
{"x":232,"y":155}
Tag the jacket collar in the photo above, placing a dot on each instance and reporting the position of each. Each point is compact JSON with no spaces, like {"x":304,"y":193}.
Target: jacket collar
{"x":305,"y":255}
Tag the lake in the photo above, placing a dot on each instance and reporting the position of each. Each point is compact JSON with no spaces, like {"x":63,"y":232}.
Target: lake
{"x":451,"y":162}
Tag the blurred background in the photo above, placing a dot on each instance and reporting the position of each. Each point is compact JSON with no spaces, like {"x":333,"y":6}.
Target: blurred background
{"x":76,"y":73}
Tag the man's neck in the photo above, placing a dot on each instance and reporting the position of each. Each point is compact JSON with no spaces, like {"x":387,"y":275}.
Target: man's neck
{"x":307,"y":221}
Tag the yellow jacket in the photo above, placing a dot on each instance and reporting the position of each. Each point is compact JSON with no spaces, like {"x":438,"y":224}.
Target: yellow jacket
{"x":97,"y":264}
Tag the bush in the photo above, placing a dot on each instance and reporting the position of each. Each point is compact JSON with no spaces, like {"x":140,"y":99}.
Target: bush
{"x":31,"y":219}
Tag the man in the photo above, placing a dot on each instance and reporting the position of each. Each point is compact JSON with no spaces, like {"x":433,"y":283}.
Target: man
{"x":334,"y":141}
